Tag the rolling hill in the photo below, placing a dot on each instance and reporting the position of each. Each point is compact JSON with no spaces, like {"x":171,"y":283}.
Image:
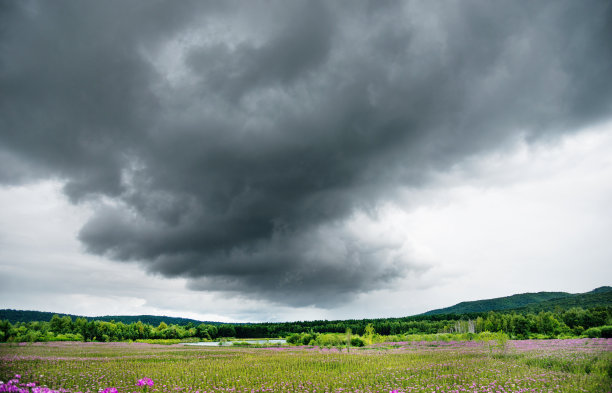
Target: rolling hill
{"x":596,"y":298}
{"x":521,"y":303}
{"x":29,"y":316}
{"x":532,"y":302}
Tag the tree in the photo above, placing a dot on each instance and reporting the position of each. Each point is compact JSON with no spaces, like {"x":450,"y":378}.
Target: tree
{"x":226,"y":331}
{"x":369,"y":333}
{"x":348,"y":339}
{"x":66,"y":324}
{"x":56,"y":324}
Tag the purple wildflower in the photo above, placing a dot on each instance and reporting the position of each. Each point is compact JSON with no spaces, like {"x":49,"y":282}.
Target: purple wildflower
{"x":145,"y":381}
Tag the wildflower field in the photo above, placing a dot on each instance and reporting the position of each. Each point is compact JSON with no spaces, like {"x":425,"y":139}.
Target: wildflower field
{"x":581,"y":365}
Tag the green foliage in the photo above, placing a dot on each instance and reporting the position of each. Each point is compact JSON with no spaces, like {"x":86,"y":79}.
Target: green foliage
{"x":597,"y":298}
{"x":206,"y":332}
{"x":326,"y":340}
{"x":226,"y":330}
{"x":369,"y":334}
{"x":606,"y":331}
{"x":494,"y":341}
{"x":330,"y":340}
{"x":593,"y":332}
{"x":160,"y":341}
{"x":294,"y":339}
{"x":498,"y":304}
{"x":302,"y":339}
{"x":15,"y":316}
{"x":532,"y":302}
{"x":348,"y":339}
{"x":561,"y":323}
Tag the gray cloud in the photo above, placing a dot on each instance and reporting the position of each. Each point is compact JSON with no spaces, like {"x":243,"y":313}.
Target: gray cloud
{"x":233,"y":143}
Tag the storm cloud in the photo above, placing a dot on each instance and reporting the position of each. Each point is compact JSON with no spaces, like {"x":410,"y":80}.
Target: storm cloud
{"x":234,"y":143}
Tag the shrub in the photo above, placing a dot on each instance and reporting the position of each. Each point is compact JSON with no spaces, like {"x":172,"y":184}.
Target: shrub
{"x":497,"y":340}
{"x":329,"y":340}
{"x":357,"y":342}
{"x":606,"y":332}
{"x":294,"y":339}
{"x":578,"y":330}
{"x":308,"y":338}
{"x":593,"y":332}
{"x":302,"y":338}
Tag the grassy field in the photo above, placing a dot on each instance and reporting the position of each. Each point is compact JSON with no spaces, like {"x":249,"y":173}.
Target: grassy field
{"x":583,"y":365}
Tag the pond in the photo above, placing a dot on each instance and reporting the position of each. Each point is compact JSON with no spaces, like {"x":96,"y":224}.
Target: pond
{"x":228,"y":343}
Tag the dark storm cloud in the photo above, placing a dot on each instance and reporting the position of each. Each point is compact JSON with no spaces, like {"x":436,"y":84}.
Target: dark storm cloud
{"x":234,"y":143}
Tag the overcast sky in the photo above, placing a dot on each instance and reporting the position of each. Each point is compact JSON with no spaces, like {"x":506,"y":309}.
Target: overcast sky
{"x":271,"y":161}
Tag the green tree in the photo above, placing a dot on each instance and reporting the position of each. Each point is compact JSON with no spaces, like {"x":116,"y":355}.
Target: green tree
{"x":226,"y":330}
{"x":66,"y":324}
{"x":55,"y":324}
{"x":348,"y":339}
{"x":369,"y":334}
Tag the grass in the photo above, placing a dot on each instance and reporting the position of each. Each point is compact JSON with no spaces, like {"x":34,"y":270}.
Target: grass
{"x":444,"y":366}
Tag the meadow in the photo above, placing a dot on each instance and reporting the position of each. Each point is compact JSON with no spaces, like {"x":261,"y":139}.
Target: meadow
{"x":579,"y":365}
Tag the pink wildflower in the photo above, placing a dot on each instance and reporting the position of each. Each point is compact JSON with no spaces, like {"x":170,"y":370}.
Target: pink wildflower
{"x":145,"y":381}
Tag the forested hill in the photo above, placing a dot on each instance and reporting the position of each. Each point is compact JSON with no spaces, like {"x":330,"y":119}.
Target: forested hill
{"x":522,"y":303}
{"x":598,"y":297}
{"x":14,"y":316}
{"x":532,"y":302}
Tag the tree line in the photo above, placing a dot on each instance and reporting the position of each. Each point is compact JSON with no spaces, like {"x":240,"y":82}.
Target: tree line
{"x":573,"y":322}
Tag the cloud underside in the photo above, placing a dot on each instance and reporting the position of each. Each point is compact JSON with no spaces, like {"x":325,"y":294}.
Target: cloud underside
{"x":233,"y":144}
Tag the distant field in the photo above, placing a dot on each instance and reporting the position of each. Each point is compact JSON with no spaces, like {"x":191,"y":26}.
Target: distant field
{"x":582,"y":365}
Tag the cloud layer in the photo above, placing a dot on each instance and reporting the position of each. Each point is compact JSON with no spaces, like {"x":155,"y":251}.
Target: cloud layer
{"x":234,"y":144}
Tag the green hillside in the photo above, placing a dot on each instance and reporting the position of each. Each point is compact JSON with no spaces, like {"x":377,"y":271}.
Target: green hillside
{"x":14,"y":316}
{"x":598,"y":297}
{"x":540,"y":301}
{"x":521,"y":303}
{"x":600,"y":290}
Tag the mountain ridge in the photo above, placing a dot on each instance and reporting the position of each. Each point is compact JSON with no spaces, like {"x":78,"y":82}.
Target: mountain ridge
{"x":32,"y":315}
{"x":530,"y":301}
{"x":520,"y":303}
